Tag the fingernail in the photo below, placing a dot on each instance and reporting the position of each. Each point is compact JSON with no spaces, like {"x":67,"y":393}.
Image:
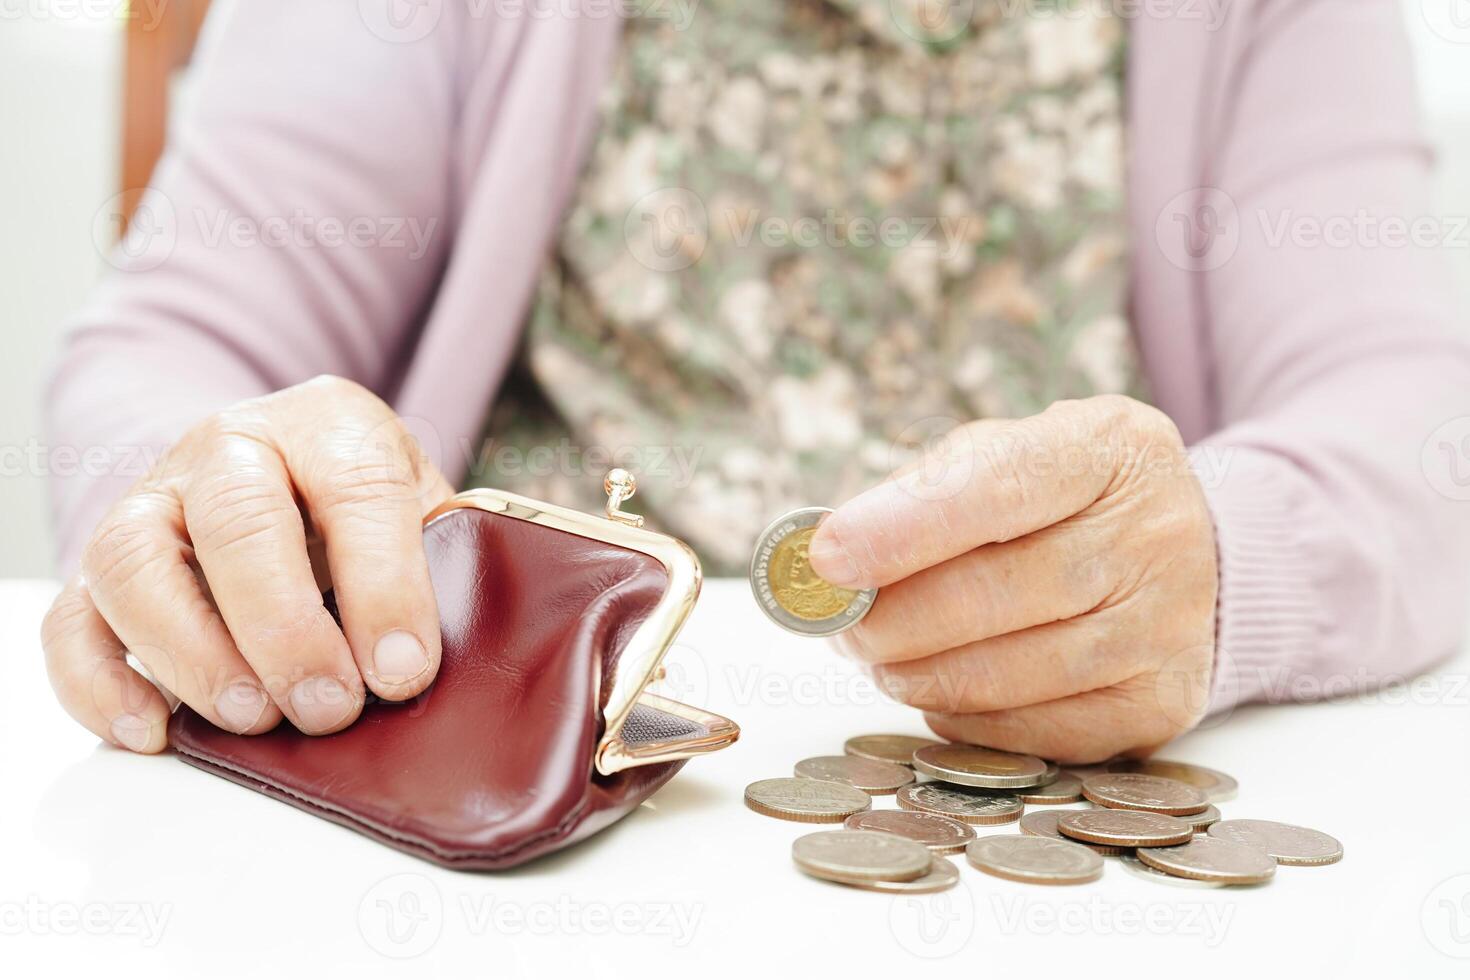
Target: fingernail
{"x":320,"y":703}
{"x":241,"y":705}
{"x":131,"y":732}
{"x":399,"y":657}
{"x":831,"y":561}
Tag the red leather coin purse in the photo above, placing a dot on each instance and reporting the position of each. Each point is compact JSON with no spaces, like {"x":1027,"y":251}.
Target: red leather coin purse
{"x":537,"y":731}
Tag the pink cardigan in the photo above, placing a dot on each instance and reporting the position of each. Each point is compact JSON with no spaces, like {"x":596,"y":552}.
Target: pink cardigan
{"x":1312,"y":380}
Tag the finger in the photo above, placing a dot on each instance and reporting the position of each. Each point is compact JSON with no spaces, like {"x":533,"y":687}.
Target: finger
{"x":1077,"y":730}
{"x":1030,"y":666}
{"x":250,"y":541}
{"x":1056,"y":573}
{"x":138,"y":576}
{"x":981,"y":485}
{"x":92,"y":680}
{"x":367,"y":491}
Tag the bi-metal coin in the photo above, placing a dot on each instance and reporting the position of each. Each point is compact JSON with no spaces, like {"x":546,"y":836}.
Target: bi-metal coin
{"x":789,"y":592}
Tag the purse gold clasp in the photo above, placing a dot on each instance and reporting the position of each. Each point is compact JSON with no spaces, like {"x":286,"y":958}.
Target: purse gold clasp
{"x":660,"y":738}
{"x":620,"y":485}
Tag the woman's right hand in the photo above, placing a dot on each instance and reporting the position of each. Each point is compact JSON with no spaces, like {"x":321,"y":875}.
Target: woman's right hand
{"x":210,"y":571}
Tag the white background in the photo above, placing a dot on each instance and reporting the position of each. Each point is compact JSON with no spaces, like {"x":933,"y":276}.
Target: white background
{"x":237,"y":884}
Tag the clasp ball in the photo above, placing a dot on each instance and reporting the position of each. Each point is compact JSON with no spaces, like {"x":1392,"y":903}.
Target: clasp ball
{"x":620,"y":482}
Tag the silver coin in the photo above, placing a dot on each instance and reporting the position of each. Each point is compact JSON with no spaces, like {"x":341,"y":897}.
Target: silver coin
{"x":1217,"y":786}
{"x":1211,"y":859}
{"x":863,"y":855}
{"x":1036,"y":860}
{"x":942,"y":875}
{"x":1287,"y":843}
{"x":1133,"y":864}
{"x":789,"y":592}
{"x":1043,"y":823}
{"x":1201,"y":821}
{"x":1052,"y":772}
{"x":1065,"y":788}
{"x":971,"y":806}
{"x":866,"y":774}
{"x":806,"y":800}
{"x":938,"y":833}
{"x":975,"y":765}
{"x":1135,"y":791}
{"x":897,"y":749}
{"x":1124,"y":828}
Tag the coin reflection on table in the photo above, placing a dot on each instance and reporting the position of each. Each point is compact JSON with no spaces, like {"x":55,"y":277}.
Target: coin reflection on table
{"x":786,"y":588}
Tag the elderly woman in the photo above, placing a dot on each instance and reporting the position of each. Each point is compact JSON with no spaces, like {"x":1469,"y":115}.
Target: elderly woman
{"x":1136,"y":305}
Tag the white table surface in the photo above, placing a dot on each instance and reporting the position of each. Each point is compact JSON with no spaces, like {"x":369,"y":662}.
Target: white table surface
{"x":134,"y":866}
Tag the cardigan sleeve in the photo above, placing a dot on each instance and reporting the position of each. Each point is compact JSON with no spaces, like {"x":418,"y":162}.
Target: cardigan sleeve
{"x":1339,"y":472}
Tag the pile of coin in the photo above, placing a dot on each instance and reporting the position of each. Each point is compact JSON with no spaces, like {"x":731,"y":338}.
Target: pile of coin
{"x":1158,"y":817}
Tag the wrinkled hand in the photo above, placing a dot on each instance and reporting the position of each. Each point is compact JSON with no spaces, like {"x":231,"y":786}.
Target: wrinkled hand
{"x":202,"y":572}
{"x":1048,"y":583}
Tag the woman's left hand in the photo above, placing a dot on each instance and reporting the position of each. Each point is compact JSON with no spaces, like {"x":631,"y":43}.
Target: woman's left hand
{"x":1048,"y":583}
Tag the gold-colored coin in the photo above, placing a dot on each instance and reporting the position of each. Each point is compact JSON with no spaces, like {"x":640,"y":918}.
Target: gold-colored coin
{"x":799,"y":590}
{"x":788,"y":591}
